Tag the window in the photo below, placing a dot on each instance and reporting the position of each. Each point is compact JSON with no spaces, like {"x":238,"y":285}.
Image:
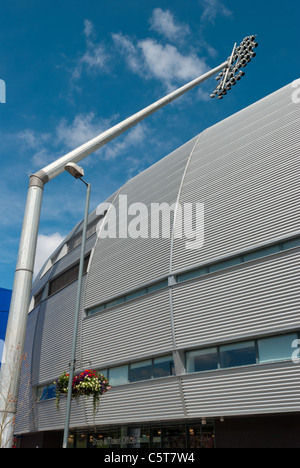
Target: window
{"x":192,"y":274}
{"x":262,"y":252}
{"x":291,"y":244}
{"x":118,"y":301}
{"x":38,"y":297}
{"x":67,"y":277}
{"x":239,"y":259}
{"x":140,"y":292}
{"x":238,"y":354}
{"x":45,"y":393}
{"x":202,"y":360}
{"x":157,"y":286}
{"x":118,"y":375}
{"x":225,"y":264}
{"x":278,"y":348}
{"x":130,"y":296}
{"x":140,"y":371}
{"x":261,"y":351}
{"x":163,"y":367}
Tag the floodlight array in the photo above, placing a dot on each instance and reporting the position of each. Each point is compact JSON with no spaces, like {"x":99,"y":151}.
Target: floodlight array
{"x":232,"y":73}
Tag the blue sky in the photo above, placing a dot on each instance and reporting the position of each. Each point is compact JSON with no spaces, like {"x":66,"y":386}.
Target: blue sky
{"x":74,"y":68}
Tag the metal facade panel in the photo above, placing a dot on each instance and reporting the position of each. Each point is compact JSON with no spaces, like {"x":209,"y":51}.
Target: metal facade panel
{"x":48,"y":417}
{"x":140,"y":402}
{"x":72,"y":257}
{"x":129,"y":331}
{"x":246,"y":172}
{"x":118,"y":265}
{"x":255,"y":298}
{"x":54,"y":352}
{"x":25,"y":413}
{"x":249,"y":391}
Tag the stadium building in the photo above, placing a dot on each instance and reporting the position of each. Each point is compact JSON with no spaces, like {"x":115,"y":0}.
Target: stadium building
{"x":200,"y":345}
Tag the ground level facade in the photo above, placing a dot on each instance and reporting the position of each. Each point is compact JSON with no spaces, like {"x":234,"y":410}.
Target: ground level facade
{"x":266,"y":431}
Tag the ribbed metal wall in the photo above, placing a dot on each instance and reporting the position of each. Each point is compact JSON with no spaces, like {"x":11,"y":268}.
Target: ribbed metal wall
{"x":54,"y":353}
{"x":117,"y":335}
{"x":246,"y":172}
{"x":246,"y":391}
{"x":122,"y":264}
{"x":252,"y":299}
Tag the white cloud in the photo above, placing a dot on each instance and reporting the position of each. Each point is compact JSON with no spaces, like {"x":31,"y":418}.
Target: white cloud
{"x":38,"y":144}
{"x":94,"y":59}
{"x":212,"y":9}
{"x":135,"y":137}
{"x":46,"y":245}
{"x":148,"y":58}
{"x":68,"y":135}
{"x":130,"y":52}
{"x":84,"y":127}
{"x":163,"y":22}
{"x":167,"y":64}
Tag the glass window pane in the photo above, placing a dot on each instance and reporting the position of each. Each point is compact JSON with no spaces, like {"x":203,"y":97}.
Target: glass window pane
{"x":118,"y":375}
{"x":140,"y":292}
{"x":192,"y":274}
{"x":225,"y":264}
{"x":163,"y":367}
{"x":291,"y":243}
{"x":239,"y":354}
{"x":157,"y":286}
{"x":140,"y":371}
{"x":174,"y":437}
{"x":278,"y":348}
{"x":97,"y":309}
{"x":202,"y":360}
{"x":115,"y":302}
{"x":103,"y":372}
{"x":262,"y":252}
{"x":51,"y":392}
{"x":155,"y":433}
{"x":81,"y":440}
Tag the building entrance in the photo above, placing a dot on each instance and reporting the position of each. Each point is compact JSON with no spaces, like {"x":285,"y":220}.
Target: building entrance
{"x":167,"y":436}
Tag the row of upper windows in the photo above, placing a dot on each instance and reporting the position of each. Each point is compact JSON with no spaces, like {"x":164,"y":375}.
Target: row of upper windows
{"x":238,"y":259}
{"x":211,"y":268}
{"x":142,"y":370}
{"x":62,"y":280}
{"x":260,"y":351}
{"x":74,"y":242}
{"x":245,"y":353}
{"x":70,"y":275}
{"x":128,"y":297}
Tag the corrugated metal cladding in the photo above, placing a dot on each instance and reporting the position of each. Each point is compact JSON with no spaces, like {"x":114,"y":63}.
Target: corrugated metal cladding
{"x":128,"y":332}
{"x":119,"y":265}
{"x":265,"y":390}
{"x":246,"y":172}
{"x":254,"y":298}
{"x":55,"y":332}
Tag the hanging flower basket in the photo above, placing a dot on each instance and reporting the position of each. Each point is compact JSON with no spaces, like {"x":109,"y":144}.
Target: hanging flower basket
{"x":88,"y":383}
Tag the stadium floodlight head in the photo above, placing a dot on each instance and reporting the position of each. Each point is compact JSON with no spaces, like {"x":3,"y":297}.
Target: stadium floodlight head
{"x":230,"y":75}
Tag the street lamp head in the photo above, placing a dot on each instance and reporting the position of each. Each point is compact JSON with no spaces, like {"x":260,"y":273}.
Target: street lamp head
{"x":74,"y":170}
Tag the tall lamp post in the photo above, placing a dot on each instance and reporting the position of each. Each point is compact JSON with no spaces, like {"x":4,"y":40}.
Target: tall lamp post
{"x":17,"y":319}
{"x":78,"y":173}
